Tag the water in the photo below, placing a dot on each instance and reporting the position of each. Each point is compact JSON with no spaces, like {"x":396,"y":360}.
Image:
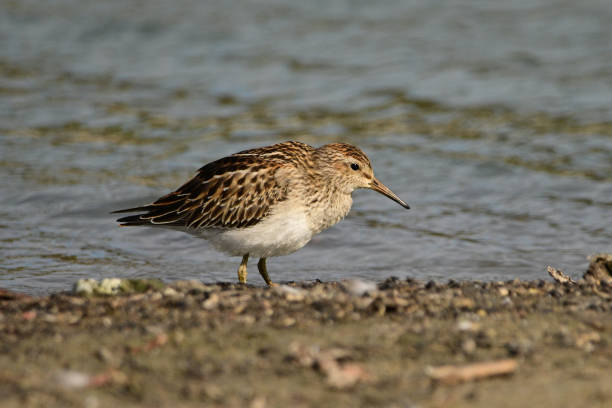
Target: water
{"x":493,"y":120}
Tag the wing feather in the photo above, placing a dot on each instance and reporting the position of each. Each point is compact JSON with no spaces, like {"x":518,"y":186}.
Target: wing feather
{"x":237,"y":191}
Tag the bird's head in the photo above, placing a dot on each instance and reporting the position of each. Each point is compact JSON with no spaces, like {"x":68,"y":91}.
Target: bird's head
{"x":351,"y":169}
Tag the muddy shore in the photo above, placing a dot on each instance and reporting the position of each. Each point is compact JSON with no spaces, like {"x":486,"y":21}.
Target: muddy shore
{"x":537,"y":343}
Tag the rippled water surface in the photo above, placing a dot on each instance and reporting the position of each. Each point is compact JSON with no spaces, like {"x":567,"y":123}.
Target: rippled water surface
{"x":493,"y":120}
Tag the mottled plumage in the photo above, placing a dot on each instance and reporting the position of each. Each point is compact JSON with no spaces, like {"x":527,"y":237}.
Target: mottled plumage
{"x":267,"y":201}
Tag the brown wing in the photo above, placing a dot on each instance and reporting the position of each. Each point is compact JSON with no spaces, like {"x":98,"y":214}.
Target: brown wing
{"x":233,"y":192}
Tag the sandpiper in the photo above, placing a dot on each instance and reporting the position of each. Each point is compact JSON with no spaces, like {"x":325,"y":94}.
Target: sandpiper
{"x":265,"y":202}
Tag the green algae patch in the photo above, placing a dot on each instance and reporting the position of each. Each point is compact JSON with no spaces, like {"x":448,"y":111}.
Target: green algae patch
{"x":140,"y":285}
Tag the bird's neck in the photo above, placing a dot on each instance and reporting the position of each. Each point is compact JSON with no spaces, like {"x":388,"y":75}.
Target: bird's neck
{"x":326,"y":205}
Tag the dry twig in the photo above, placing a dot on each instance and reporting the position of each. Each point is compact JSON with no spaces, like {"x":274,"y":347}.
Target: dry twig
{"x":558,"y":275}
{"x":451,"y":374}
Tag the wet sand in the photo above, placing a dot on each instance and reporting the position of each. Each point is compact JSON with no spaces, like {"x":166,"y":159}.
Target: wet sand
{"x":353,"y":343}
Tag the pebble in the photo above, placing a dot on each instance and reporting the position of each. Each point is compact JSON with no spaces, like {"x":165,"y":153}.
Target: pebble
{"x":291,"y":294}
{"x":359,"y":287}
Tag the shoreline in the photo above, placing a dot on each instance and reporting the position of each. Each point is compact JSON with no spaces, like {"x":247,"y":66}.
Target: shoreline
{"x":353,"y":343}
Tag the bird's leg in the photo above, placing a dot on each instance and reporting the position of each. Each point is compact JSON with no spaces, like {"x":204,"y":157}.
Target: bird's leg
{"x":263,"y":271}
{"x":242,"y":269}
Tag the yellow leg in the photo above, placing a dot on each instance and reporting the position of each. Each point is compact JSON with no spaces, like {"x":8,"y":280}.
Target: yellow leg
{"x":242,"y":269}
{"x":263,"y":271}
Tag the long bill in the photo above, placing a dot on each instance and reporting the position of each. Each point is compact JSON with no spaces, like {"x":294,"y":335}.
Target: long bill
{"x":384,"y":190}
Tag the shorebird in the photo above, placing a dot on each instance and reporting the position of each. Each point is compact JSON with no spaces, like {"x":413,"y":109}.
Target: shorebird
{"x":264,"y":202}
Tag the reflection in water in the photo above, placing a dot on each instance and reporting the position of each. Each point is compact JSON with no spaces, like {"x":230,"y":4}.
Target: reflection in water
{"x":493,"y":121}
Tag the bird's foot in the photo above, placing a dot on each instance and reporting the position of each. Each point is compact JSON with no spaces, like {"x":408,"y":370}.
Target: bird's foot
{"x":242,"y":270}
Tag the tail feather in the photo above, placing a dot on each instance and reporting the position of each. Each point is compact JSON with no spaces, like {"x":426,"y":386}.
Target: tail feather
{"x":127,"y":210}
{"x":165,"y":211}
{"x":132,"y":221}
{"x":152,"y":215}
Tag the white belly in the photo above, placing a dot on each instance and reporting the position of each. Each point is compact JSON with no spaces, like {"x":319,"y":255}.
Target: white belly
{"x":283,"y":232}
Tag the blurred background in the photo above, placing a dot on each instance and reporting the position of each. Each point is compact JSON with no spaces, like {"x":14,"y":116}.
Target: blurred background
{"x":493,"y":120}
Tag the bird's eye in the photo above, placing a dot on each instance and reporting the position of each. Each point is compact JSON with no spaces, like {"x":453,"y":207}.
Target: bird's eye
{"x":354,"y":166}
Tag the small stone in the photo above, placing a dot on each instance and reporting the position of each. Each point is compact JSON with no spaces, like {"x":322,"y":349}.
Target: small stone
{"x":240,"y":308}
{"x":155,"y":296}
{"x":170,"y":292}
{"x":104,"y":355}
{"x":467,"y":326}
{"x":345,"y":375}
{"x":211,"y":302}
{"x":463,"y":303}
{"x":390,"y":283}
{"x":73,"y":318}
{"x":564,"y":337}
{"x":246,"y":319}
{"x":288,"y":321}
{"x":519,"y":347}
{"x":291,"y":294}
{"x":29,"y":315}
{"x":359,"y":287}
{"x":72,"y":379}
{"x":107,"y":321}
{"x":586,"y":341}
{"x":468,"y":346}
